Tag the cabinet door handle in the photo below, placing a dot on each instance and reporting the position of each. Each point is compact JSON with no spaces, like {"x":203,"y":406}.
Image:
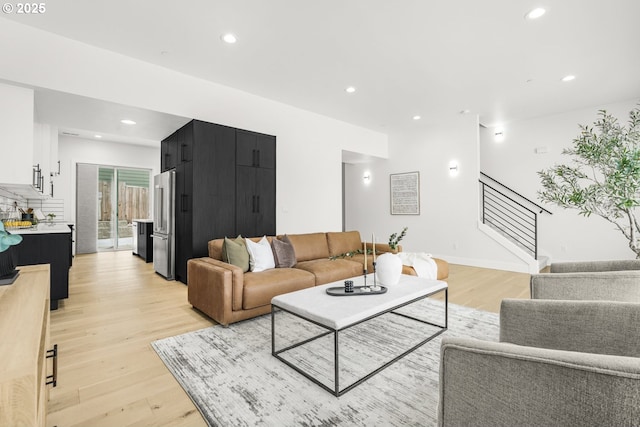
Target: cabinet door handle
{"x":182,"y":156}
{"x":258,"y":157}
{"x":258,"y":204}
{"x":183,"y":203}
{"x":253,"y":204}
{"x":53,"y":354}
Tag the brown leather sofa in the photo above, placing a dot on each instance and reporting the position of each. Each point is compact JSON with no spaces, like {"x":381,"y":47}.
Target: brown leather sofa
{"x":223,"y":292}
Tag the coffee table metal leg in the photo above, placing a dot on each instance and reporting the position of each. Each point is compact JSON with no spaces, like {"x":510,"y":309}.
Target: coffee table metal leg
{"x":336,"y":353}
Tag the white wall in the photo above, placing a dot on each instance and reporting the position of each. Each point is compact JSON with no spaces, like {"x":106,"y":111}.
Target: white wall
{"x":565,"y":235}
{"x":309,"y":146}
{"x":447,"y":226}
{"x":78,"y":150}
{"x":16,"y":134}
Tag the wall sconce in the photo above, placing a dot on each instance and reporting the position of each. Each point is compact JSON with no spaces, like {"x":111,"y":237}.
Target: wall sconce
{"x":499,"y":135}
{"x":366,"y":177}
{"x":453,"y":168}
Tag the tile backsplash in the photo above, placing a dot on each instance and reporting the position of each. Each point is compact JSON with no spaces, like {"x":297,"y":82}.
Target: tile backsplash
{"x":8,"y":202}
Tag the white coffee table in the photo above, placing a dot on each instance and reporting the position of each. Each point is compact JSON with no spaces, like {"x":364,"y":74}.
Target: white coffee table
{"x":337,"y":313}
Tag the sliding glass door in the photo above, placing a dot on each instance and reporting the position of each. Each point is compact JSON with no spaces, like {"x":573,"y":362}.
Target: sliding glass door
{"x":123,"y":195}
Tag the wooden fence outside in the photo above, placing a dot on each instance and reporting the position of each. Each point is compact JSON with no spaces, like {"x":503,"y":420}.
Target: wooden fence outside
{"x":133,"y":202}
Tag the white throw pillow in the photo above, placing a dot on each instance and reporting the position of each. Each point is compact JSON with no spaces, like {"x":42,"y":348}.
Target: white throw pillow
{"x":260,"y":255}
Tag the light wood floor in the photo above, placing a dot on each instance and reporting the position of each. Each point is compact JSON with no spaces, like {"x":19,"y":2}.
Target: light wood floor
{"x":108,"y":374}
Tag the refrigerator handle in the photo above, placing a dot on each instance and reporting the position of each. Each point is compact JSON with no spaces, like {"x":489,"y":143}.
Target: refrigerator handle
{"x":158,"y":210}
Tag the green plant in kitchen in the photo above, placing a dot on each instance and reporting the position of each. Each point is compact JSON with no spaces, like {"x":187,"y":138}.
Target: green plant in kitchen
{"x":7,"y":240}
{"x":394,"y":239}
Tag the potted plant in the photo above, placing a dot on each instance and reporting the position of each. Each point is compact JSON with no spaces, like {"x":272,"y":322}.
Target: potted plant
{"x":604,"y":177}
{"x":50,"y":218}
{"x":7,"y":254}
{"x":395,"y":239}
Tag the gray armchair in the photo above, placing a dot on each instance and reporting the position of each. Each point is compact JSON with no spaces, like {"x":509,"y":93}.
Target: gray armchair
{"x":559,"y":363}
{"x":593,"y":280}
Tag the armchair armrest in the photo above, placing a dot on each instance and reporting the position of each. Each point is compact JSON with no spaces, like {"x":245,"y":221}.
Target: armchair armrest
{"x":593,"y":266}
{"x":600,"y":327}
{"x":502,"y":384}
{"x":604,"y":286}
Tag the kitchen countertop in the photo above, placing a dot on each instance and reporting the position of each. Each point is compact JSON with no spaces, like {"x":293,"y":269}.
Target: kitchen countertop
{"x":141,"y":220}
{"x":43,"y":228}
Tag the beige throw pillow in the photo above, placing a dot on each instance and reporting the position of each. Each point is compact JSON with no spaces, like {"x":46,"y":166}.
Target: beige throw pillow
{"x":235,"y":252}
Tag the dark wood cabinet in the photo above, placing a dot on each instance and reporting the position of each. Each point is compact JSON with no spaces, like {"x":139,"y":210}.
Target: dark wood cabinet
{"x":255,"y":149}
{"x":169,"y":152}
{"x":255,"y":201}
{"x":185,"y":144}
{"x":145,"y":241}
{"x":53,"y":249}
{"x":205,"y":190}
{"x":218,"y":195}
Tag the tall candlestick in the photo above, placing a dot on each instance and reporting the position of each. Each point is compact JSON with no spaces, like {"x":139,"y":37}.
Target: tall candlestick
{"x":373,"y":246}
{"x":364,"y":244}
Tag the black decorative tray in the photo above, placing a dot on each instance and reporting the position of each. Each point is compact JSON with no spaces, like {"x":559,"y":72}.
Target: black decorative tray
{"x":357,"y":290}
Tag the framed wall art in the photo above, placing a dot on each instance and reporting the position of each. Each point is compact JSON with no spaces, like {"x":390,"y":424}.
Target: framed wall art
{"x":405,"y":193}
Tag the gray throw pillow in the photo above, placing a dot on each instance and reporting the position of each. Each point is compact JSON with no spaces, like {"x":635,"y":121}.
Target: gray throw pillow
{"x":283,"y":252}
{"x":235,"y":252}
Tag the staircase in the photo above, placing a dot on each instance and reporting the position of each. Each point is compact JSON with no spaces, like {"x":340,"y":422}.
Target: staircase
{"x":511,"y":220}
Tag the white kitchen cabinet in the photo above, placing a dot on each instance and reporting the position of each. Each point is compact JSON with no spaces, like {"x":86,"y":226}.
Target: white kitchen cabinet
{"x":16,"y":134}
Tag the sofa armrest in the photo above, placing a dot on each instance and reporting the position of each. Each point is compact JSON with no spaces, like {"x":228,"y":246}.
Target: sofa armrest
{"x":604,"y":286}
{"x":502,"y":384}
{"x":593,"y":266}
{"x":213,"y":287}
{"x":586,"y":326}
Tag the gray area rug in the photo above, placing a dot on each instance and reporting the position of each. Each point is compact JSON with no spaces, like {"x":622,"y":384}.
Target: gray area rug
{"x":233,"y":379}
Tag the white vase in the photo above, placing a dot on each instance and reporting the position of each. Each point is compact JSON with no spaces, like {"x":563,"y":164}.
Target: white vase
{"x":388,"y":269}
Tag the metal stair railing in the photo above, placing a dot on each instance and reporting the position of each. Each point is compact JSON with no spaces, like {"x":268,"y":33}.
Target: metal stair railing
{"x":506,"y":211}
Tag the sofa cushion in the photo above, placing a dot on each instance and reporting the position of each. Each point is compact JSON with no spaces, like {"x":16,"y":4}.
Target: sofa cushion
{"x":260,"y":288}
{"x":283,"y":252}
{"x":326,"y":270}
{"x":215,"y":249}
{"x":235,"y":252}
{"x":342,"y":242}
{"x":309,"y":246}
{"x":260,"y":255}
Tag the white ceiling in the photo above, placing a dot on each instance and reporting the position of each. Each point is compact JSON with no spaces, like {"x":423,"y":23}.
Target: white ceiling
{"x":410,"y":57}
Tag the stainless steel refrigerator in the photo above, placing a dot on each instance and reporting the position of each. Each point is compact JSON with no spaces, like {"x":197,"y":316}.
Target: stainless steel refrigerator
{"x":164,"y":224}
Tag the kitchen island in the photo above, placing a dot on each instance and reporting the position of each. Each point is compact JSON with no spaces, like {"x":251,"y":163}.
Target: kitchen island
{"x":48,"y":244}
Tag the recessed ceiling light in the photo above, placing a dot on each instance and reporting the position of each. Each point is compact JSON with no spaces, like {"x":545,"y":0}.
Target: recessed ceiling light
{"x":465,"y":111}
{"x":97,"y":136}
{"x":416,"y":117}
{"x":229,"y":38}
{"x":350,"y":89}
{"x":535,"y":13}
{"x":568,"y":78}
{"x":127,"y":122}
